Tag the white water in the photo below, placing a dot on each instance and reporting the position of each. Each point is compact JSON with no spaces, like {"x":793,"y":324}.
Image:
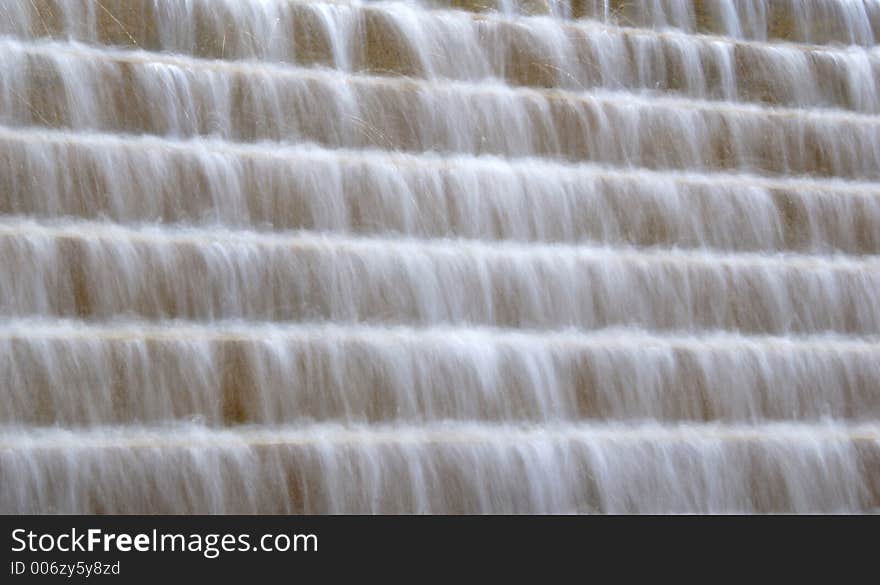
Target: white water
{"x":537,"y":51}
{"x":287,"y":256}
{"x":453,"y":467}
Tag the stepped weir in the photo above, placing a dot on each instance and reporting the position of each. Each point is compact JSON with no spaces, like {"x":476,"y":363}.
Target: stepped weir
{"x":439,"y":256}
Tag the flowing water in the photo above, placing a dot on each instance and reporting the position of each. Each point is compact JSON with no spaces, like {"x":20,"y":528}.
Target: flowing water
{"x":439,"y":256}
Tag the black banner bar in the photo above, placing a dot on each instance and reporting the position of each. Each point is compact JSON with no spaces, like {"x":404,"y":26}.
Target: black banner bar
{"x":55,"y":548}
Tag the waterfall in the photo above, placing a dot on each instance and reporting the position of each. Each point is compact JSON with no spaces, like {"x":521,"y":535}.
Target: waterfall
{"x":439,"y":256}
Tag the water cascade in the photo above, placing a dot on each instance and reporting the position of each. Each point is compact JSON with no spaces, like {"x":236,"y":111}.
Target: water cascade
{"x":449,"y":256}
